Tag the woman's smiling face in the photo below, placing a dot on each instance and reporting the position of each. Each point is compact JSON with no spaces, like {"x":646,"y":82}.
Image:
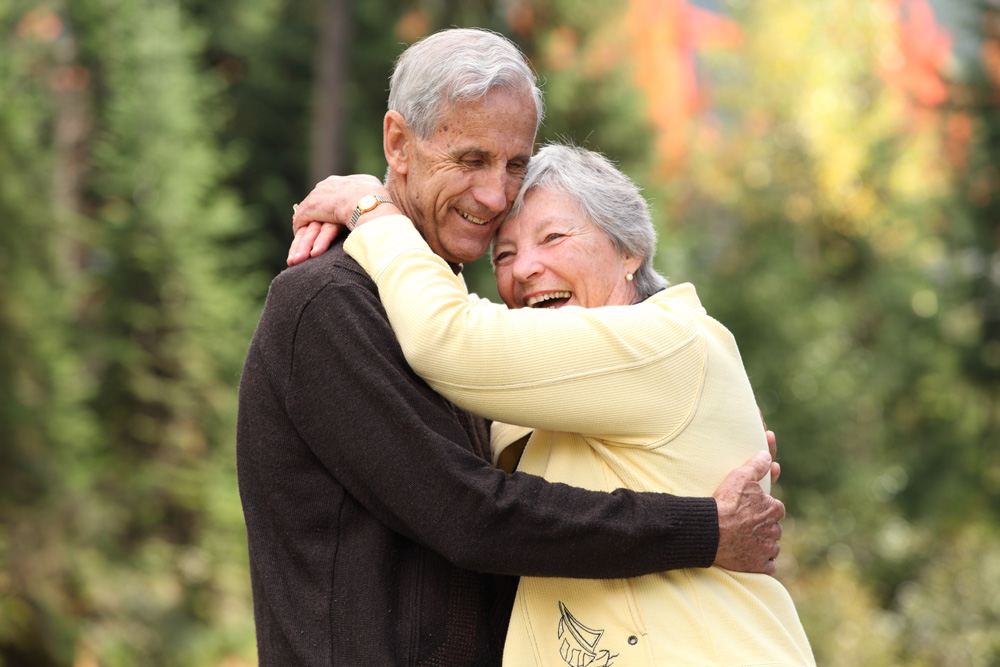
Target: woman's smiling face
{"x":551,"y":255}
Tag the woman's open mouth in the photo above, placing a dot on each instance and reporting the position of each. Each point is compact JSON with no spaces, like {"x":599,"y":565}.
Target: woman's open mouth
{"x":548,"y":299}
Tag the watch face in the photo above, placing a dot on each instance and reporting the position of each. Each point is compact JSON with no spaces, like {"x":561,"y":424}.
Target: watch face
{"x":367,"y":203}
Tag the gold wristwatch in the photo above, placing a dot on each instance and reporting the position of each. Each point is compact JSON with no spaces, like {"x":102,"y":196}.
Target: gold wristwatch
{"x":366,"y":203}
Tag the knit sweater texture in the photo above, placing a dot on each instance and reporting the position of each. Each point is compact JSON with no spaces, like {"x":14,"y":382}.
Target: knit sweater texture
{"x":379,"y":533}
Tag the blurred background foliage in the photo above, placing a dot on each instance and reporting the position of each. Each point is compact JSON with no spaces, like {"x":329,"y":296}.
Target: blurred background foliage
{"x":826,"y":171}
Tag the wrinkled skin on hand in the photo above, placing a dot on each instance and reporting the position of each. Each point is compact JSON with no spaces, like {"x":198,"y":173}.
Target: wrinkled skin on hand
{"x":319,"y":218}
{"x":748,"y":518}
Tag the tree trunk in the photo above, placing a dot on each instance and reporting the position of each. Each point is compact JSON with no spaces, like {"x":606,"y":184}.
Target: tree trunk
{"x":330,"y":111}
{"x":72,"y":129}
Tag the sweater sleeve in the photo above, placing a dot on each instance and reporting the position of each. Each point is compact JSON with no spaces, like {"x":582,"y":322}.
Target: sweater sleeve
{"x":629,"y":372}
{"x":392,"y":443}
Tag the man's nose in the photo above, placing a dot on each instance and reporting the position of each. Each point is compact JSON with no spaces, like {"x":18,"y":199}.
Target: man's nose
{"x":494,"y":190}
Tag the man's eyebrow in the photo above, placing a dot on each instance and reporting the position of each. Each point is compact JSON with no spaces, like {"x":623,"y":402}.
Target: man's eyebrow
{"x":466,"y":151}
{"x":483,"y":153}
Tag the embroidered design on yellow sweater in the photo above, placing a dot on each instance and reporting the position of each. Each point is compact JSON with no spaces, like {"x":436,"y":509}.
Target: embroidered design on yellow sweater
{"x":579,"y":643}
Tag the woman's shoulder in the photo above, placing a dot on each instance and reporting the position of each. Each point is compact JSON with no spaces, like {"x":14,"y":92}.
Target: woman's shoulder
{"x":683,"y":293}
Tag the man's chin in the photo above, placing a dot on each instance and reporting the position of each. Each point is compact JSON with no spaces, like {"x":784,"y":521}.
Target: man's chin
{"x":463,"y":253}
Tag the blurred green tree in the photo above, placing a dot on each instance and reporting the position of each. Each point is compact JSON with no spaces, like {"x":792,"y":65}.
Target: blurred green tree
{"x":127,"y":310}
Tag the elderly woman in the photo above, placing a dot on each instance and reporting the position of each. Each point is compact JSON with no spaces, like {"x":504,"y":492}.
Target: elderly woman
{"x":665,"y":406}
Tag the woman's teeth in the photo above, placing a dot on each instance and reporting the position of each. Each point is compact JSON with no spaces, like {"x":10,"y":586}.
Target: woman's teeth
{"x":539,"y":300}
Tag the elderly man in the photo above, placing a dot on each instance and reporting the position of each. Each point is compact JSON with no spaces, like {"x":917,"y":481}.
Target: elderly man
{"x":379,"y":533}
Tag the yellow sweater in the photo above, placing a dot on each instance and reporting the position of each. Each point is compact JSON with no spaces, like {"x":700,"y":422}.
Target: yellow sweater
{"x":651,"y":397}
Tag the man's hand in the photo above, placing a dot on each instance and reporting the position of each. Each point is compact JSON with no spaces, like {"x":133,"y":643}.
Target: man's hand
{"x":318,"y":219}
{"x":772,"y":446}
{"x":748,"y":520}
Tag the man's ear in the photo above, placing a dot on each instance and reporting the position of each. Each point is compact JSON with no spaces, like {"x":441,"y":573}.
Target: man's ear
{"x":396,"y":138}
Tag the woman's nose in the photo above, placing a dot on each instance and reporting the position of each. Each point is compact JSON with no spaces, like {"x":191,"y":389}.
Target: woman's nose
{"x":526,"y":266}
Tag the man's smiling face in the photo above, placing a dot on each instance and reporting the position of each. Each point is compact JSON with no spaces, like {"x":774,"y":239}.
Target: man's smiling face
{"x":461,"y":181}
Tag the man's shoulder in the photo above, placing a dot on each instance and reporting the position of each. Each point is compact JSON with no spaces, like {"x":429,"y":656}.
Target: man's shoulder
{"x":329,"y":295}
{"x":303,"y":282}
{"x":322,"y":282}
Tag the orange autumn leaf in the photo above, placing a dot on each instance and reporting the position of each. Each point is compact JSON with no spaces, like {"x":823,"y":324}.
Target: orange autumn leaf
{"x":924,"y":50}
{"x":665,"y":36}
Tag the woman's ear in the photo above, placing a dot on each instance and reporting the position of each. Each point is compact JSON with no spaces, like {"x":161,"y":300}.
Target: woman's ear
{"x":632,"y":264}
{"x":396,"y":137}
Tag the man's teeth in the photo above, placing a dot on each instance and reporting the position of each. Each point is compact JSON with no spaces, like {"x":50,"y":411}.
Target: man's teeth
{"x":533,"y":301}
{"x":473,"y":219}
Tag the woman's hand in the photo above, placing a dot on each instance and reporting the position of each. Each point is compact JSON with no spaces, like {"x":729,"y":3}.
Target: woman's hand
{"x":318,"y":219}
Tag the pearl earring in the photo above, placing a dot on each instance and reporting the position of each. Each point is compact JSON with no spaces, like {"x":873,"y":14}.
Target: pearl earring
{"x":628,"y":277}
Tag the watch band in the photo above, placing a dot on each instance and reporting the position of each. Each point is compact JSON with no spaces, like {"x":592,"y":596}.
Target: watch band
{"x":366,"y":203}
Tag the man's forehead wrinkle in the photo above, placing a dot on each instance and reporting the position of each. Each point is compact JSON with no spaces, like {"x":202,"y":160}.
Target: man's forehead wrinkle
{"x":458,"y":150}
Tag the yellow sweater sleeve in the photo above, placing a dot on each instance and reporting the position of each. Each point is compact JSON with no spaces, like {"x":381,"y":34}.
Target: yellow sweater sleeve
{"x":625,"y":370}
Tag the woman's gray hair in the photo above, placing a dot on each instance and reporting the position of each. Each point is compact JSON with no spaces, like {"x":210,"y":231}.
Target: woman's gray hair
{"x":457,"y":65}
{"x":606,"y":197}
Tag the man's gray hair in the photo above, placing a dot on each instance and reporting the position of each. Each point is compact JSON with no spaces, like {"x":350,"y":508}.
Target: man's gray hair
{"x":457,"y":65}
{"x":606,"y":197}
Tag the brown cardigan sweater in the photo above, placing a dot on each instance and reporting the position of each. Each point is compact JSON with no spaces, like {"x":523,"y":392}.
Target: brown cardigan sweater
{"x":378,"y":532}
